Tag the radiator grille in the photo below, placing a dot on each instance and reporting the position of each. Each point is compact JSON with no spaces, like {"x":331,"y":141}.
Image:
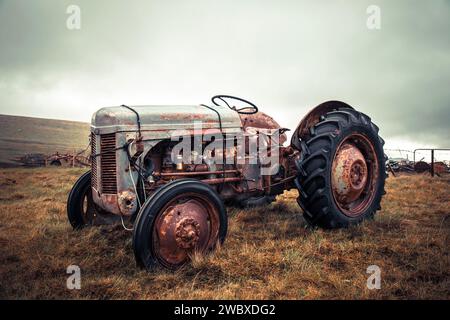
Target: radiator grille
{"x":94,"y":175}
{"x":108,"y":163}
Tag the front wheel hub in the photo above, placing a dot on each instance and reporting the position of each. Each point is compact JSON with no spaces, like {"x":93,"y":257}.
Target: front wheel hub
{"x":187,"y":233}
{"x":184,"y":226}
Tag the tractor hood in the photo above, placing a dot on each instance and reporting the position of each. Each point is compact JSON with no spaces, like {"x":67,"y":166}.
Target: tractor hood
{"x":157,"y":118}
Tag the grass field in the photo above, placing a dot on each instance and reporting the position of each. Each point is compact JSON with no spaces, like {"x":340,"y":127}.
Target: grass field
{"x":269,"y":252}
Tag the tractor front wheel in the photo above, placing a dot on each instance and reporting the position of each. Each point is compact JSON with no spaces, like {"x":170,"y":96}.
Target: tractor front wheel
{"x":341,"y":170}
{"x":183,"y":217}
{"x":80,"y":206}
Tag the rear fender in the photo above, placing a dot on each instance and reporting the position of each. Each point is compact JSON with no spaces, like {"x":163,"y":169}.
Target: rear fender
{"x":313,"y":117}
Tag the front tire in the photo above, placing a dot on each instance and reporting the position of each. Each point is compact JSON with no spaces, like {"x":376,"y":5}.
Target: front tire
{"x":80,"y":206}
{"x":182,"y":217}
{"x":341,"y":171}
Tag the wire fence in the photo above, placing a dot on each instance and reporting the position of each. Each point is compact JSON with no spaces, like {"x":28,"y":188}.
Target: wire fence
{"x":440,"y":155}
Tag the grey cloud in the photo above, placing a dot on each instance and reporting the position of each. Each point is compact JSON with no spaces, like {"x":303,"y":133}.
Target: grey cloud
{"x":287,"y":56}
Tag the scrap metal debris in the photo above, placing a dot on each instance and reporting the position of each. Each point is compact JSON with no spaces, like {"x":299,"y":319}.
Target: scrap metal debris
{"x":80,"y":159}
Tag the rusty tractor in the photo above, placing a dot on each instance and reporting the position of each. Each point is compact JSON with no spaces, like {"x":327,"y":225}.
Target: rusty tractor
{"x":168,"y":172}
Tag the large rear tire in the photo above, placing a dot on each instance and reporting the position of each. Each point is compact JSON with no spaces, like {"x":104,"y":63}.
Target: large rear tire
{"x":180,"y":218}
{"x":341,"y":170}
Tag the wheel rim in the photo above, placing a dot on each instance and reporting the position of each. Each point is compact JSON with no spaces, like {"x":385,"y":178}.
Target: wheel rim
{"x":87,"y":209}
{"x":354,"y":175}
{"x":188,"y":223}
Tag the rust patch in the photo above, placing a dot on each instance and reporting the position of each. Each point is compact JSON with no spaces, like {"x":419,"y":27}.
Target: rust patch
{"x":313,"y":117}
{"x":188,"y":222}
{"x":187,"y":116}
{"x":263,"y":121}
{"x":127,"y":202}
{"x":187,"y":233}
{"x":349,"y":174}
{"x":354,"y":175}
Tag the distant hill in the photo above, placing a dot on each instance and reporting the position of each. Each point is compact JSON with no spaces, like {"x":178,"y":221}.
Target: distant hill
{"x":21,"y":135}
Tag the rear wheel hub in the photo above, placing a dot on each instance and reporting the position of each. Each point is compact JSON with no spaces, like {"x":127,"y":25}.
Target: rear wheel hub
{"x":349,"y":173}
{"x":353,"y":175}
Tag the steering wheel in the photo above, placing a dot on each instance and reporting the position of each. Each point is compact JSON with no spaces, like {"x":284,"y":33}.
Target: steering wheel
{"x":253,"y":109}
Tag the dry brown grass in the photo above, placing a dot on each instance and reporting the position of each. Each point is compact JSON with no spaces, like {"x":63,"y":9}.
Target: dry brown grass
{"x":269,"y":252}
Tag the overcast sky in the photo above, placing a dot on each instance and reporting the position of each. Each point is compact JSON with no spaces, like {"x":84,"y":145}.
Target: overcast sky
{"x":286,"y":56}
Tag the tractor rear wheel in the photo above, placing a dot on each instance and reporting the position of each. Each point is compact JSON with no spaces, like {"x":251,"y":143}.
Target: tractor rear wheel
{"x":341,"y":170}
{"x":183,"y":217}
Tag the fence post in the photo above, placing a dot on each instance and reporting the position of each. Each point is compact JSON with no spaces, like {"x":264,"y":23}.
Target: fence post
{"x":432,"y":162}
